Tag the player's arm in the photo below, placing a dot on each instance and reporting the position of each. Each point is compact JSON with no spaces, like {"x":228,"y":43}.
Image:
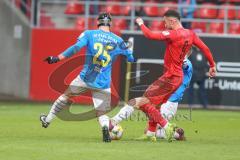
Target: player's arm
{"x":127,"y":51}
{"x":152,"y":35}
{"x":81,"y":42}
{"x":129,"y":55}
{"x":207,"y":53}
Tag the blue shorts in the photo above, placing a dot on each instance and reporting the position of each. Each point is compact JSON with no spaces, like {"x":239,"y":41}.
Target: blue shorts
{"x":178,"y":94}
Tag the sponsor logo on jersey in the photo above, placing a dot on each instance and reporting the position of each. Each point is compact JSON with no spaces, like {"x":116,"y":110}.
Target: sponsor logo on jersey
{"x":165,"y":33}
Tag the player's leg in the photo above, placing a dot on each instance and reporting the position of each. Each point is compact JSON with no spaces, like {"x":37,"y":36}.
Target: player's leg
{"x":143,"y":104}
{"x":155,"y":116}
{"x":126,"y":111}
{"x":169,"y":110}
{"x":102,"y":104}
{"x":149,"y":133}
{"x":76,"y":87}
{"x":56,"y":108}
{"x":152,"y":126}
{"x":158,"y":93}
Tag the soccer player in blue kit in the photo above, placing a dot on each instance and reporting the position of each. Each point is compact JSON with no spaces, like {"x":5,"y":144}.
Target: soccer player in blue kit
{"x":168,"y":110}
{"x":102,"y":48}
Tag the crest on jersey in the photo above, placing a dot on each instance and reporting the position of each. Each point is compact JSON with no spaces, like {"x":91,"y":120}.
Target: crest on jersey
{"x":165,"y":33}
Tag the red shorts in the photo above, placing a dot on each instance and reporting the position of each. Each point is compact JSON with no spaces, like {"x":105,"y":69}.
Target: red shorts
{"x":161,"y":90}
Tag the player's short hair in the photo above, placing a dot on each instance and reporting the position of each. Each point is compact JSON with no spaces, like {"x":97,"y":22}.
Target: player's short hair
{"x":172,"y":13}
{"x":104,"y":19}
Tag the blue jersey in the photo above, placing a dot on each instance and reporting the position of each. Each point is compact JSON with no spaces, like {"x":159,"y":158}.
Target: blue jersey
{"x":187,"y":71}
{"x":102,"y":49}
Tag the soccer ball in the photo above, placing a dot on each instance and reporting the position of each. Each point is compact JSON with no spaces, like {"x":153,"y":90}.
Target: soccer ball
{"x":180,"y":134}
{"x":116,"y":133}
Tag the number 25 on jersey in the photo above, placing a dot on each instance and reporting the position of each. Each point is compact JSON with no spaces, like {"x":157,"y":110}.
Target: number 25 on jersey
{"x":101,"y":51}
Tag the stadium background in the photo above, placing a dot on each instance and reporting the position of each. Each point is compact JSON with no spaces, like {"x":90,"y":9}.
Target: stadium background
{"x":37,"y":29}
{"x":31,"y":30}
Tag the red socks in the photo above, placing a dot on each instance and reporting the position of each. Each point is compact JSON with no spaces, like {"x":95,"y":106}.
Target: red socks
{"x":154,"y":115}
{"x":152,"y":126}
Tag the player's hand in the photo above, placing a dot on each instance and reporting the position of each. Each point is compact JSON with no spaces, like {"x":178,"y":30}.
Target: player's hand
{"x":52,"y":59}
{"x":212,"y":72}
{"x":139,"y":21}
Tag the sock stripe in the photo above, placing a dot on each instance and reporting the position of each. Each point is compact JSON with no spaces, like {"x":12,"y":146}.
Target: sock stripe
{"x":62,"y":103}
{"x":57,"y":107}
{"x":58,"y":104}
{"x":57,"y":110}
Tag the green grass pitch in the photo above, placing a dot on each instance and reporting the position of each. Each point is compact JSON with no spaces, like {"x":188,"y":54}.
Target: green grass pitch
{"x":211,"y":135}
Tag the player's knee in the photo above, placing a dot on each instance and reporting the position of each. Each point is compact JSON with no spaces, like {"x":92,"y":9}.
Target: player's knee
{"x":132,"y":102}
{"x":142,"y":101}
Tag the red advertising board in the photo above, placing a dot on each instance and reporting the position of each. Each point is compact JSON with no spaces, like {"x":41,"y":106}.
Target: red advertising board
{"x":46,"y":42}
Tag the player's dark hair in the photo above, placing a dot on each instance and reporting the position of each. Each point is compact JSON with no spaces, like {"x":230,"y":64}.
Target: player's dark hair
{"x":172,"y":13}
{"x":104,"y":19}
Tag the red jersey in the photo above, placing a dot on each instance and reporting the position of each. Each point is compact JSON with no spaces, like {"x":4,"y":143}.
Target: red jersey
{"x":179,"y":43}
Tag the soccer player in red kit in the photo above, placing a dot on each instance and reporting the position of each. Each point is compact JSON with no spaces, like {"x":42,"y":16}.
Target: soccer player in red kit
{"x":179,"y":42}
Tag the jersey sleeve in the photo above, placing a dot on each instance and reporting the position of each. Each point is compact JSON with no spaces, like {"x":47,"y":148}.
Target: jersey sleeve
{"x":81,"y":42}
{"x":124,"y":50}
{"x":205,"y":50}
{"x":163,"y":35}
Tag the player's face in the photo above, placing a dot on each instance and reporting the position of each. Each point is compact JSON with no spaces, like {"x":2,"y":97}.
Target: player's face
{"x":169,"y":22}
